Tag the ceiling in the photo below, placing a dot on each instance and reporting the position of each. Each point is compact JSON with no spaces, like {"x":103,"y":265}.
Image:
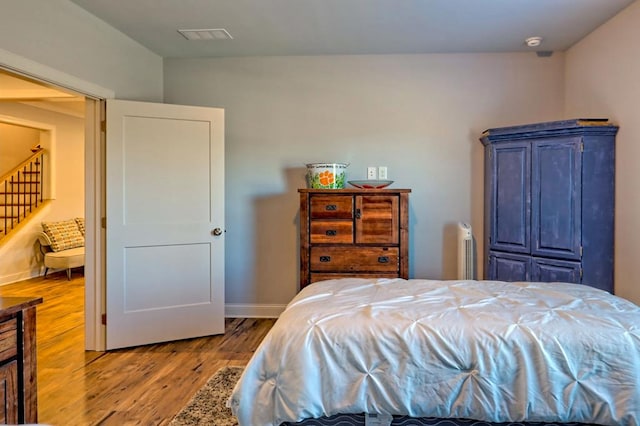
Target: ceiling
{"x":323,"y":27}
{"x":330,"y":27}
{"x":16,"y":88}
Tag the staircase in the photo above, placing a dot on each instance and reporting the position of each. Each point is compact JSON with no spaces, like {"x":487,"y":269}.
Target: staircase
{"x":21,"y":192}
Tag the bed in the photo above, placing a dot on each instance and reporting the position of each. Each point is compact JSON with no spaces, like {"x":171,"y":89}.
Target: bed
{"x":485,"y":351}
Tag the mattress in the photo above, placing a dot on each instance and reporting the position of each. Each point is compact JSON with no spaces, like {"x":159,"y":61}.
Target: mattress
{"x":482,"y":350}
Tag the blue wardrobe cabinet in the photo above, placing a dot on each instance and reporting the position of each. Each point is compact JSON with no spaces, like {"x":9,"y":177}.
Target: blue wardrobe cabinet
{"x":549,"y":202}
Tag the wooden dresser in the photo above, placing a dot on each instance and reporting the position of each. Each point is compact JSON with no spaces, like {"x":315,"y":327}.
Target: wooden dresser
{"x":18,"y":380}
{"x":353,"y":233}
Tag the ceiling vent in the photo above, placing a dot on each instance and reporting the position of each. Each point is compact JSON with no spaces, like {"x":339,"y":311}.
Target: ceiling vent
{"x":206,"y":34}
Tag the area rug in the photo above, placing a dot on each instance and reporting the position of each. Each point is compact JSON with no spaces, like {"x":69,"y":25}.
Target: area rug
{"x":209,"y":405}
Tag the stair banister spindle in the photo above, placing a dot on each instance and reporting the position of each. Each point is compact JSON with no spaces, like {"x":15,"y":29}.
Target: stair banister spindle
{"x":41,"y":182}
{"x":21,"y":187}
{"x":31,"y":183}
{"x":13,"y":201}
{"x":4,"y":228}
{"x":28,"y":179}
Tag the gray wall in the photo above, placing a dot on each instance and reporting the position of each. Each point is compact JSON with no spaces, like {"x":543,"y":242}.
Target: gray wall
{"x":57,"y":40}
{"x":419,"y":115}
{"x":62,"y":36}
{"x":602,"y":81}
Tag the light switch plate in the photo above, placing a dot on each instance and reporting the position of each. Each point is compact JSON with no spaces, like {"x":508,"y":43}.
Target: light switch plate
{"x":382,"y":172}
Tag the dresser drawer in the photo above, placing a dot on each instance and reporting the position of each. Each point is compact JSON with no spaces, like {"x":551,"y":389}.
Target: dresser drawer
{"x":331,"y":231}
{"x":322,"y":276}
{"x":8,"y":339}
{"x":354,"y":259}
{"x":331,"y":207}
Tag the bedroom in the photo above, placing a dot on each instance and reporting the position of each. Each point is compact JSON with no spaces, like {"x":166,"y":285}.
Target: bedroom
{"x":439,"y":120}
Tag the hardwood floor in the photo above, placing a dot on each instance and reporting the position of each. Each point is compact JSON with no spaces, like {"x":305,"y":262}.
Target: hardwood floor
{"x":145,"y":385}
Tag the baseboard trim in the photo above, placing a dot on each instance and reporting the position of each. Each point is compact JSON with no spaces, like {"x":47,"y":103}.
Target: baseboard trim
{"x":20,"y":276}
{"x":231,"y":310}
{"x":241,"y":310}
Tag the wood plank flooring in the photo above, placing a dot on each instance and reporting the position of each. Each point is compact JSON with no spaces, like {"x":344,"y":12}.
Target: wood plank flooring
{"x":145,"y":385}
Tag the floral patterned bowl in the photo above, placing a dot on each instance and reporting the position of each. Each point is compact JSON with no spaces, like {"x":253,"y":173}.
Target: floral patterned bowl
{"x":326,"y":175}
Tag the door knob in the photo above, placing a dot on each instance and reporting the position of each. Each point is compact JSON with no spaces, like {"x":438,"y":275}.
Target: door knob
{"x":217,"y":232}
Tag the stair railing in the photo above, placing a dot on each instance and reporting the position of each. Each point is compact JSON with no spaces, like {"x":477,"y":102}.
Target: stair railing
{"x":21,"y":191}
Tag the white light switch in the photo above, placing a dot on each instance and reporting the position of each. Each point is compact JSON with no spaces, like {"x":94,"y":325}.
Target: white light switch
{"x":382,"y":172}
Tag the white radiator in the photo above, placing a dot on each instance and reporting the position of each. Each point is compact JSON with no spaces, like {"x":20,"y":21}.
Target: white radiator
{"x":466,"y":253}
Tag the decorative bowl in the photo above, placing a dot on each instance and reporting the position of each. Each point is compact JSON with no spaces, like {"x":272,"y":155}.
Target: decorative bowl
{"x":370,"y":183}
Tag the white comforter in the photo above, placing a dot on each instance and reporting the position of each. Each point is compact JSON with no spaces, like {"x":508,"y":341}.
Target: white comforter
{"x":484,"y":350}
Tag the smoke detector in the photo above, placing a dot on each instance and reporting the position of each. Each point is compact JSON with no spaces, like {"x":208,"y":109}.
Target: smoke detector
{"x":533,"y":41}
{"x":206,"y":34}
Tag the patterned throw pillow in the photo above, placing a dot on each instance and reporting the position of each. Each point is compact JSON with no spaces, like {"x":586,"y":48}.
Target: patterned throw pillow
{"x":80,"y":222}
{"x":63,"y":235}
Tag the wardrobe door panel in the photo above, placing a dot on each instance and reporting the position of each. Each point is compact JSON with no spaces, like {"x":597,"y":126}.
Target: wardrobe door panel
{"x":556,"y":198}
{"x":510,"y":197}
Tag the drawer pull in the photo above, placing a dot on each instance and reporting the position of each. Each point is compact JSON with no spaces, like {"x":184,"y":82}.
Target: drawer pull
{"x":358,"y":214}
{"x":331,"y":207}
{"x":383,"y":259}
{"x":331,"y":233}
{"x":325,"y":258}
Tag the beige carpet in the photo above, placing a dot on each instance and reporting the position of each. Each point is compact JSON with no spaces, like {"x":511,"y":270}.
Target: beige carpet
{"x":208,"y":405}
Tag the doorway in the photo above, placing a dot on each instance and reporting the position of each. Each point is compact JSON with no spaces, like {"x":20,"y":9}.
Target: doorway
{"x":85,"y":109}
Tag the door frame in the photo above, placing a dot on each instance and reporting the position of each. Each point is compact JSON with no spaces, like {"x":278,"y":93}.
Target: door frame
{"x":95,"y":283}
{"x":95,"y":234}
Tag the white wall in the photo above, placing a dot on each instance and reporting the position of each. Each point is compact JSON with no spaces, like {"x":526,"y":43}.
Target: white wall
{"x":420,"y":115}
{"x":62,"y":36}
{"x":602,"y":80}
{"x":15,"y":145}
{"x":19,"y":257}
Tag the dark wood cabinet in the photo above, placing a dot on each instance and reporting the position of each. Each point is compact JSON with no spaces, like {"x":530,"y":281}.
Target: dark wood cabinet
{"x":353,"y":233}
{"x":9,"y":392}
{"x":549,"y":202}
{"x":18,"y":381}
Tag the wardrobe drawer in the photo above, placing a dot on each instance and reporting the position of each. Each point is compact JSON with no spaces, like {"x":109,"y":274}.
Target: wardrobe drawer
{"x":331,"y":207}
{"x":331,"y":231}
{"x":369,"y":259}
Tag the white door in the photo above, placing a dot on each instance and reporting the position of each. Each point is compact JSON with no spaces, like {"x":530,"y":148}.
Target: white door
{"x":165,"y":222}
